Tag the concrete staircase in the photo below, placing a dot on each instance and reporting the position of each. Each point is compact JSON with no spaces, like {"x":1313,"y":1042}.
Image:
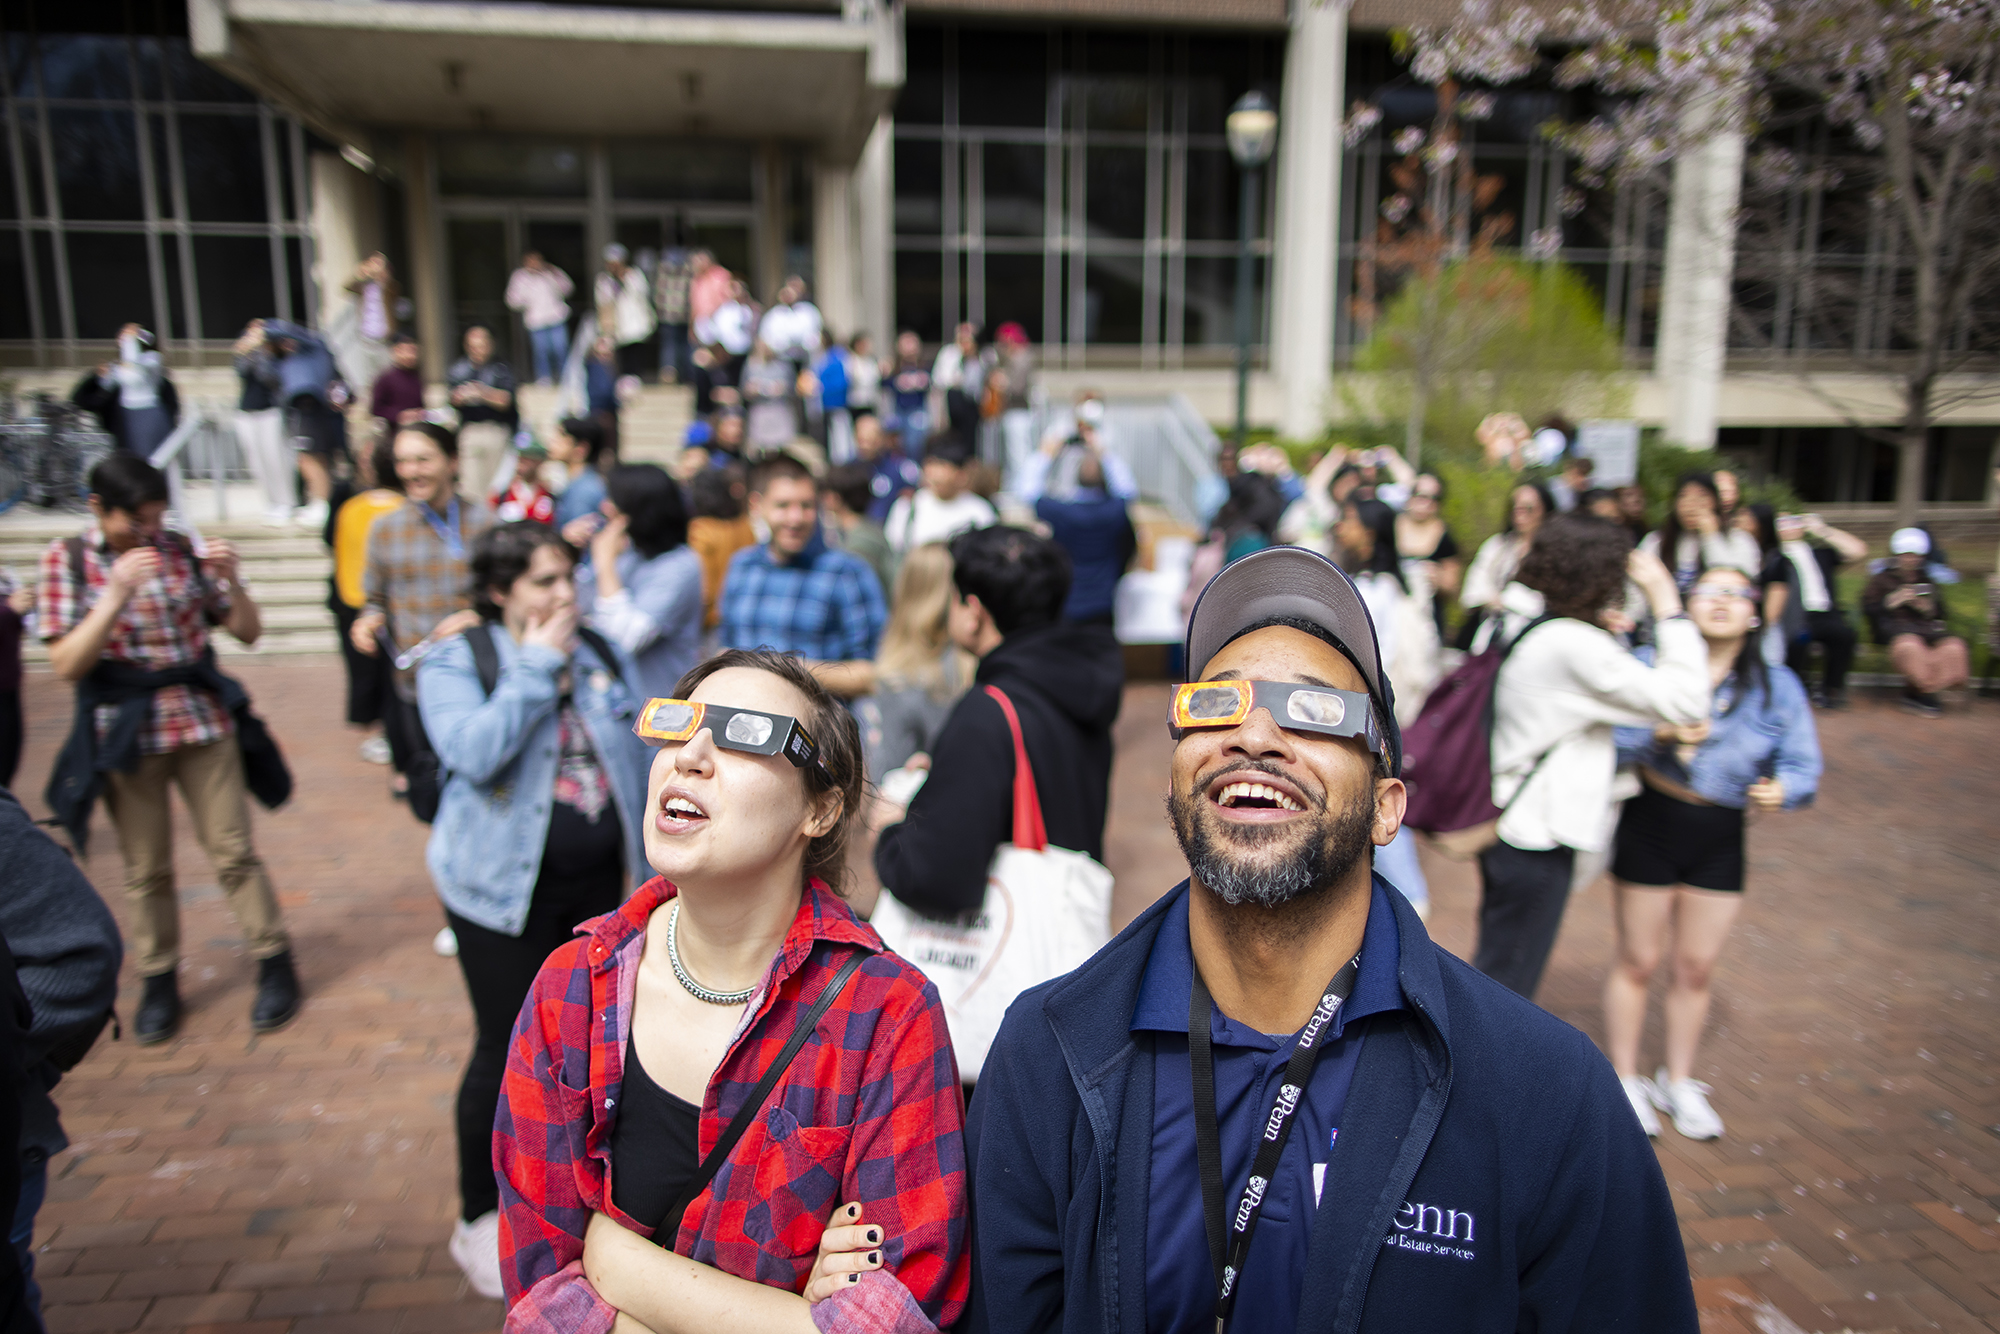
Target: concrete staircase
{"x":650,"y":429}
{"x":286,"y":570}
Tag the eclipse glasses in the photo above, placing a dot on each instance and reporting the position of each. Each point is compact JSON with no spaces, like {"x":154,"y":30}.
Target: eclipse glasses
{"x":1319,"y":710}
{"x":670,"y":722}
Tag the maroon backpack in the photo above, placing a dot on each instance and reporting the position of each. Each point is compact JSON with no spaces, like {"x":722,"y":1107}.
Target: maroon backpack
{"x":1448,"y":758}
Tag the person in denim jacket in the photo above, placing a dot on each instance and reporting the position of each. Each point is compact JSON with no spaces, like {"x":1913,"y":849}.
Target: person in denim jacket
{"x":539,"y":821}
{"x":1678,"y":867}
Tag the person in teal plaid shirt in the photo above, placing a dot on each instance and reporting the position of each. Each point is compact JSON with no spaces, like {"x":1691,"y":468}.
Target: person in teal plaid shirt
{"x":798,"y":595}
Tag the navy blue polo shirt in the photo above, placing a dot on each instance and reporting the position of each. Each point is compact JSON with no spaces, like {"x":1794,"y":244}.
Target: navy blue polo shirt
{"x":1249,"y":1067}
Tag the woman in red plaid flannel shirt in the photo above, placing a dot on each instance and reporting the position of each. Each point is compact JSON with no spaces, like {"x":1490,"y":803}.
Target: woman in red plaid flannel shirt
{"x":843,"y":1205}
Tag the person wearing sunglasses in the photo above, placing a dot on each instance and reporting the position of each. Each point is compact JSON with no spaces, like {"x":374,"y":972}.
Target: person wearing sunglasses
{"x":727,"y":1106}
{"x":1678,"y":871}
{"x":1273,"y":1102}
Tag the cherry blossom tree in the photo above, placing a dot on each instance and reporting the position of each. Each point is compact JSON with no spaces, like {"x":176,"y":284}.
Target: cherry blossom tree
{"x":1912,"y":87}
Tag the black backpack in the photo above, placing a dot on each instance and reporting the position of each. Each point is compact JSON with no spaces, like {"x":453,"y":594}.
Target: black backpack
{"x":425,"y":774}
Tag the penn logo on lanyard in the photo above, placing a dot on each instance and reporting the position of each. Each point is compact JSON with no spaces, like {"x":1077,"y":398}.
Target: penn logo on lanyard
{"x":1287,"y":1103}
{"x":1227,"y":1254}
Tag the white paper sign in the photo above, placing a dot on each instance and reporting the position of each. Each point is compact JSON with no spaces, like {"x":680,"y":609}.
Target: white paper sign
{"x":1613,"y":449}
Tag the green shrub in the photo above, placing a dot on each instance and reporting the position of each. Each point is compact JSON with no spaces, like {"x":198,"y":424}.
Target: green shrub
{"x":1661,"y":466}
{"x":1489,"y":334}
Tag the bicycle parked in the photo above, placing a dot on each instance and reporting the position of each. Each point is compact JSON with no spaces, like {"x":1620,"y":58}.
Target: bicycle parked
{"x":47,"y":449}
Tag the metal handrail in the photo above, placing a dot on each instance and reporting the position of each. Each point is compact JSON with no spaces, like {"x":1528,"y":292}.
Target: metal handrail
{"x":1169,"y":447}
{"x":169,"y":458}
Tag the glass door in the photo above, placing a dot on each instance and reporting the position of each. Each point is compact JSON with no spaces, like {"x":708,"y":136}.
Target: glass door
{"x":478,"y":260}
{"x":483,"y":247}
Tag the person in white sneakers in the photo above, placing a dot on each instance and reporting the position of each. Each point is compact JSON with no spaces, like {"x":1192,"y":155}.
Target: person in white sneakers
{"x":1678,"y":869}
{"x":945,"y":506}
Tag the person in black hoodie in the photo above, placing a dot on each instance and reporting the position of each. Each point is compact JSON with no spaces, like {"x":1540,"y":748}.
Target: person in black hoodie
{"x":1065,"y":681}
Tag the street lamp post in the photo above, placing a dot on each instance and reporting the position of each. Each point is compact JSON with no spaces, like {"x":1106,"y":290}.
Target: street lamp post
{"x":1252,"y":128}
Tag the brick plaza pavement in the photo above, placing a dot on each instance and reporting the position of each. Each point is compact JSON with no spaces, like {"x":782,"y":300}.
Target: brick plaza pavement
{"x":305,"y":1182}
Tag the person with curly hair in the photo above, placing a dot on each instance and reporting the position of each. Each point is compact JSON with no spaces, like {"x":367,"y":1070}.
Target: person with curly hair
{"x":1566,"y":684}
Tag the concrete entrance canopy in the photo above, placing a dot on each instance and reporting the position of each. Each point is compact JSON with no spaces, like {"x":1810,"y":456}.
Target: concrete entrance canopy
{"x":347,"y":65}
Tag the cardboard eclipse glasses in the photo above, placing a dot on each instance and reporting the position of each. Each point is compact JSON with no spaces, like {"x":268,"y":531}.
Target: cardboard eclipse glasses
{"x":670,"y":722}
{"x":1296,"y":707}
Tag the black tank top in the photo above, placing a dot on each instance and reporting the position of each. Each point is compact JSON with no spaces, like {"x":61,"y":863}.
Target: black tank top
{"x":655,"y":1148}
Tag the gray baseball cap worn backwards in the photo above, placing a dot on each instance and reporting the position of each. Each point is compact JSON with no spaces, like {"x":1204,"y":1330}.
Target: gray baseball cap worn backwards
{"x":1297,"y":584}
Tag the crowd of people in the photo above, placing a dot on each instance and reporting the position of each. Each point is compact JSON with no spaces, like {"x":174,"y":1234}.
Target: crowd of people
{"x":809,"y":664}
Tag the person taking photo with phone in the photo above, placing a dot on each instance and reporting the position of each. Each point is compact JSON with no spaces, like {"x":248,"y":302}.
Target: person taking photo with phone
{"x":126,"y":610}
{"x":1906,"y":613}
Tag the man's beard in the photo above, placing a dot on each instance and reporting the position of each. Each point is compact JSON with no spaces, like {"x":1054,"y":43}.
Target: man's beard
{"x":1321,"y":854}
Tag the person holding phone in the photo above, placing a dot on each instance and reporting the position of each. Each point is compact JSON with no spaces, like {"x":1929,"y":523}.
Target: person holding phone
{"x":1905,"y":613}
{"x":1677,"y":874}
{"x":727,"y":1106}
{"x":127,"y":610}
{"x":1813,"y":614}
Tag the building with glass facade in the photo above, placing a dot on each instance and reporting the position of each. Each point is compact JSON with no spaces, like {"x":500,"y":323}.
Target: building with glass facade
{"x":191,"y":164}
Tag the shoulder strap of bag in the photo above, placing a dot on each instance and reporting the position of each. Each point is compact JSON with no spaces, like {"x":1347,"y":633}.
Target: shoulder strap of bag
{"x":1029,"y":832}
{"x":754,"y":1104}
{"x":485,"y":658}
{"x":602,"y":648}
{"x":1507,"y":649}
{"x":74,"y":546}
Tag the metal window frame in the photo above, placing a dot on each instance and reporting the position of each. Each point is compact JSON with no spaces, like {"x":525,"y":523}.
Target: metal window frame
{"x":598,"y":209}
{"x":1066,"y":139}
{"x":52,"y":322}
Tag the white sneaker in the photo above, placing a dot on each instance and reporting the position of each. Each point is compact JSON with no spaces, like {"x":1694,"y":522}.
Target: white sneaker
{"x":1639,"y":1092}
{"x":445,"y":944}
{"x":278,"y":517}
{"x":476,"y":1248}
{"x":1687,"y":1100}
{"x":311,"y":516}
{"x":375,"y":750}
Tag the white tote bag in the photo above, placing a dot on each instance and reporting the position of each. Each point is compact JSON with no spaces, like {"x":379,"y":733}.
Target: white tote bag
{"x":1046,"y":910}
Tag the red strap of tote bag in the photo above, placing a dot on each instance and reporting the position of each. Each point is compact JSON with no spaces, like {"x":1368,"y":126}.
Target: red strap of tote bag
{"x":1029,"y":832}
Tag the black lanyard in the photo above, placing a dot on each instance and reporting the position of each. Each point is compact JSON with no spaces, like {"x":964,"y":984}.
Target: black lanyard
{"x":1226,"y":1258}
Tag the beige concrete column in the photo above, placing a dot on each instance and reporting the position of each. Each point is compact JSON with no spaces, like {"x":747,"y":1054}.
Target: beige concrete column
{"x":836,"y":274}
{"x":1694,"y":289}
{"x":1306,"y":229}
{"x":873,"y":187}
{"x":767,"y":265}
{"x":346,"y":224}
{"x":426,"y":262}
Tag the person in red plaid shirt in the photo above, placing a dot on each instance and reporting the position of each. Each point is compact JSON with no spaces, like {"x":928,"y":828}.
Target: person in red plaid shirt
{"x":129,"y":596}
{"x":843,"y":1205}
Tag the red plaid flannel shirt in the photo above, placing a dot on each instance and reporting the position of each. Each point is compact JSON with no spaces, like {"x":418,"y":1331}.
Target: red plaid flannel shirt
{"x":164,"y":625}
{"x":870,"y":1111}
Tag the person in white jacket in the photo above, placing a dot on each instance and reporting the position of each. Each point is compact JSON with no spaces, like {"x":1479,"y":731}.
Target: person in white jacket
{"x":1566,"y":684}
{"x":625,"y":311}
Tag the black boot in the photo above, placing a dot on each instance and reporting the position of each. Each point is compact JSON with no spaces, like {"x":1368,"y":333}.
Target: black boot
{"x":159,"y":1010}
{"x":277,"y":993}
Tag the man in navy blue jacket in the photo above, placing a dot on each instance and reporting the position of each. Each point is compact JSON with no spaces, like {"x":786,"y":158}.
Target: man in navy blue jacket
{"x":1198,"y":1130}
{"x":1092,"y":525}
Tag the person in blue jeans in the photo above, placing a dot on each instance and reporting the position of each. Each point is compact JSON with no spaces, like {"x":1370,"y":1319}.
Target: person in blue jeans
{"x":540,"y":819}
{"x":1678,"y":866}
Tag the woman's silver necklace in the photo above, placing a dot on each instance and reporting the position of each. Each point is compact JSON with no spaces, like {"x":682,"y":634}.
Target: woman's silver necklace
{"x":686,"y":979}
